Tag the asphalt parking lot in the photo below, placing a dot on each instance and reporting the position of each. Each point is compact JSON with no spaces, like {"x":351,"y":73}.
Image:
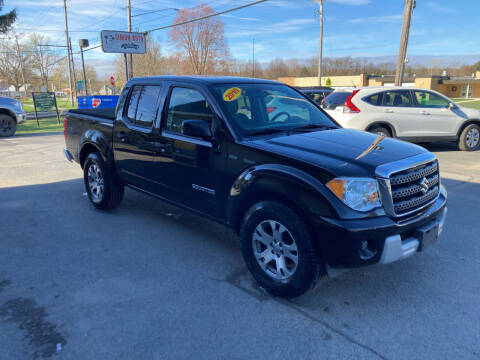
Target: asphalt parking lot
{"x":150,"y":281}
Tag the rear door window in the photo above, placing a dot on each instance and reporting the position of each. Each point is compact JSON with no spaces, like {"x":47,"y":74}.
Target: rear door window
{"x":397,"y":98}
{"x":147,"y":106}
{"x":132,"y":103}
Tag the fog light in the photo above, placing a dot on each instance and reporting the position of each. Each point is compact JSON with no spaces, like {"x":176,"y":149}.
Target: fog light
{"x":367,"y":249}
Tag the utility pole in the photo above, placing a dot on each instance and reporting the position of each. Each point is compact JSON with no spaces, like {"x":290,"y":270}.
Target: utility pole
{"x":20,"y":57}
{"x":253,"y":58}
{"x":402,"y":52}
{"x":68,"y":50}
{"x":129,"y":29}
{"x":73,"y":68}
{"x":320,"y":42}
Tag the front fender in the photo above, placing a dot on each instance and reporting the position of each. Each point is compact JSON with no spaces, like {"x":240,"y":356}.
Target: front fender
{"x":308,"y":194}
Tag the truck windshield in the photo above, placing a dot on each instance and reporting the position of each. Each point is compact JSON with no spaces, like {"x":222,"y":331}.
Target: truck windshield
{"x":267,"y":108}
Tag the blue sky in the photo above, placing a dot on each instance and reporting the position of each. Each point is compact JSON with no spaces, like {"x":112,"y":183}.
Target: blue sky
{"x":281,"y":28}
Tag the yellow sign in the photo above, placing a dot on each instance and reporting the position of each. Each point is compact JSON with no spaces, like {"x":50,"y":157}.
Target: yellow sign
{"x":232,"y":94}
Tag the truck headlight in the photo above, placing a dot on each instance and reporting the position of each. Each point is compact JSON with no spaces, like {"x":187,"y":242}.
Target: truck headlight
{"x":360,"y":194}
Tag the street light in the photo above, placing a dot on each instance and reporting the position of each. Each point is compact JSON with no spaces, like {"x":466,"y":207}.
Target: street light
{"x":83,"y":44}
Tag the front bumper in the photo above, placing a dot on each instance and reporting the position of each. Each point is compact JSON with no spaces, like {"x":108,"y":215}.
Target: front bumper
{"x":21,"y":117}
{"x":342,"y":242}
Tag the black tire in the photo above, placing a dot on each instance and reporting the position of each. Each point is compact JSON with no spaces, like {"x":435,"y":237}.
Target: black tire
{"x":308,"y":268}
{"x":469,"y":138}
{"x":8,"y":125}
{"x":380,"y":130}
{"x":113,"y":188}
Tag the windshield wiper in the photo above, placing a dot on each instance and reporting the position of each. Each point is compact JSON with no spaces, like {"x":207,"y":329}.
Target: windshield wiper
{"x":313,"y":126}
{"x":268,"y":131}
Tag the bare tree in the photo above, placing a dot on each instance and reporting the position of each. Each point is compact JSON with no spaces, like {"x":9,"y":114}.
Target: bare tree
{"x":12,"y":61}
{"x":201,"y":41}
{"x":43,"y":60}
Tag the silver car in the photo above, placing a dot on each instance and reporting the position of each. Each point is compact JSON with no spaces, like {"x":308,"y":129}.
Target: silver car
{"x":11,"y":114}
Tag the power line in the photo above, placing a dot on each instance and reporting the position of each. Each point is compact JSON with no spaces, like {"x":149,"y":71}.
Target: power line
{"x":154,"y":11}
{"x":206,"y":16}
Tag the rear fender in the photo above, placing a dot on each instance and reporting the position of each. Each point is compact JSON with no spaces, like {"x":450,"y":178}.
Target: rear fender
{"x":94,"y":138}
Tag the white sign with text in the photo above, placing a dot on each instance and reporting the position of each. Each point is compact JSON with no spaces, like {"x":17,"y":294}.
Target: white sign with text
{"x":123,"y":42}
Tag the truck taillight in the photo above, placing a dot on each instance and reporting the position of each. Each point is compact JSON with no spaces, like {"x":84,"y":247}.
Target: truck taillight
{"x":65,"y":122}
{"x":349,"y":106}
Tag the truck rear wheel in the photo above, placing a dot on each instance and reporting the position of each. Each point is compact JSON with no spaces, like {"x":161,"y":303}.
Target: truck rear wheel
{"x":8,"y":125}
{"x":278,"y":250}
{"x":104,"y":189}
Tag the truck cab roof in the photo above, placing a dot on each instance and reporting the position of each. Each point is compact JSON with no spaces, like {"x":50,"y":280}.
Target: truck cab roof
{"x":201,"y":79}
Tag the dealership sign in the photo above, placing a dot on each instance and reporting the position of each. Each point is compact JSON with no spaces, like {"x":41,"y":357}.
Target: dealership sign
{"x":123,"y":42}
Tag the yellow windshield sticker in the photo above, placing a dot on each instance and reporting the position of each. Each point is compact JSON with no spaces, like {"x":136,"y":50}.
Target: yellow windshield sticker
{"x":232,"y":94}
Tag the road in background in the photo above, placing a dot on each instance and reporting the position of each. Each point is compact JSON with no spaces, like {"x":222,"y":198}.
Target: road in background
{"x":150,"y":281}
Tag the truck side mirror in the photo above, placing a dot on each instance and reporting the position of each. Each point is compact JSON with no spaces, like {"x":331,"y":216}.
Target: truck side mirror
{"x":197,"y":128}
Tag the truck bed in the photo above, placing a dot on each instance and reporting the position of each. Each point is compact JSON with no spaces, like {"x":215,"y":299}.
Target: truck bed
{"x":102,"y":113}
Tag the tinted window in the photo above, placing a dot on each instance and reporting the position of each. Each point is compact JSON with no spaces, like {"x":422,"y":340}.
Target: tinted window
{"x":132,"y":104}
{"x":121,"y":103}
{"x":337,"y":97}
{"x":375,"y":99}
{"x":186,"y":104}
{"x":147,"y":106}
{"x":400,"y":98}
{"x":428,"y":99}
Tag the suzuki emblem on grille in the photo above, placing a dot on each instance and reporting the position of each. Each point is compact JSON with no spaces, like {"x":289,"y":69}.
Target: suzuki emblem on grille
{"x":424,"y":185}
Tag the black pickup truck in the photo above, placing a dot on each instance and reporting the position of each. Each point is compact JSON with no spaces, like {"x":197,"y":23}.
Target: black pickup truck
{"x":307,"y":197}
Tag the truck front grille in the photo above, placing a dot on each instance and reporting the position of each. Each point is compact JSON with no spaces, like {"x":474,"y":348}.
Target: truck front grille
{"x":414,"y":188}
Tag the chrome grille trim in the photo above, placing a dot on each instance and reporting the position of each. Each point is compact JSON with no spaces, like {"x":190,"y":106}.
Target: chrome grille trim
{"x":416,"y":201}
{"x":416,"y":167}
{"x":414,"y":189}
{"x":414,"y":174}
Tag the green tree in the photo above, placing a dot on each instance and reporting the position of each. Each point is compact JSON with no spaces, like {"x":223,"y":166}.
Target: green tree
{"x":7,"y":20}
{"x":477,"y":66}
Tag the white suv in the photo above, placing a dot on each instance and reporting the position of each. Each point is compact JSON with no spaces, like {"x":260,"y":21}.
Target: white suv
{"x":411,"y":114}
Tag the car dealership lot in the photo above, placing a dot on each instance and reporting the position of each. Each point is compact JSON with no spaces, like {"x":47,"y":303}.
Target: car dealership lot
{"x":151,"y":281}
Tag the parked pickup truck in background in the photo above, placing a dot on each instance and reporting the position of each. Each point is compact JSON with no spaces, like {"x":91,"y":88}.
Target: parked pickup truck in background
{"x":307,"y":197}
{"x":11,"y":114}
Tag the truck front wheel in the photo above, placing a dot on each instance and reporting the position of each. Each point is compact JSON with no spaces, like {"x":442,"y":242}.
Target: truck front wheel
{"x":278,"y":250}
{"x":104,"y":189}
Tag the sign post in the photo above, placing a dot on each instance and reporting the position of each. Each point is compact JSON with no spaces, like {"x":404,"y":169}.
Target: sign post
{"x":44,"y":101}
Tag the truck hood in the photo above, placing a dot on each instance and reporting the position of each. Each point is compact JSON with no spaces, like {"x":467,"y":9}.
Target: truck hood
{"x":343,"y":152}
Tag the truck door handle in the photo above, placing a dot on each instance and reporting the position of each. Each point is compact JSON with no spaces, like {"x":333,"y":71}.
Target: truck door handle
{"x":157,"y":146}
{"x":424,"y":112}
{"x":121,"y":136}
{"x":389,"y":111}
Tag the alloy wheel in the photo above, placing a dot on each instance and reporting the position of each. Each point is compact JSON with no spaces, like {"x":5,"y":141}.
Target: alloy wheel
{"x":275,"y":250}
{"x":96,"y":183}
{"x":473,"y":138}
